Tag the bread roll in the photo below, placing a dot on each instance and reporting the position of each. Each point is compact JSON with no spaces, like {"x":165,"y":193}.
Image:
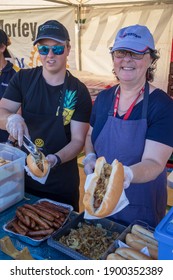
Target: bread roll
{"x":131,"y":254}
{"x":138,"y":243}
{"x":114,"y":256}
{"x":39,"y":167}
{"x":144,"y":233}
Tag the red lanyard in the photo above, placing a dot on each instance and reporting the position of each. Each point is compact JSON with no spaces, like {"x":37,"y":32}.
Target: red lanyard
{"x":126,"y":116}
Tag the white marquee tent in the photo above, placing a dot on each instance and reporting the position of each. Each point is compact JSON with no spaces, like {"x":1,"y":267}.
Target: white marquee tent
{"x":92,"y":26}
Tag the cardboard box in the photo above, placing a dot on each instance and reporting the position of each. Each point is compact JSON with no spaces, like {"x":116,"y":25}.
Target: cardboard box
{"x":164,"y":235}
{"x":11,"y":176}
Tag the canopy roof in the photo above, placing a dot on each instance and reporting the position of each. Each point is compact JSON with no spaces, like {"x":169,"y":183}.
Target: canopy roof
{"x":107,"y":2}
{"x":35,"y":4}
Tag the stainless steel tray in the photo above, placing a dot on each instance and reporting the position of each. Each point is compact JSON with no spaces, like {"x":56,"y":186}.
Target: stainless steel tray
{"x":33,"y":241}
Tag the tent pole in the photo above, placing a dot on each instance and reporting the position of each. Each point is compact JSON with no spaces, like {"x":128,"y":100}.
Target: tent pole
{"x":79,"y":22}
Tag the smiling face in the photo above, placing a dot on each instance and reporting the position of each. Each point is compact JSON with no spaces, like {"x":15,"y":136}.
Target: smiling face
{"x":51,"y":62}
{"x":130,"y":70}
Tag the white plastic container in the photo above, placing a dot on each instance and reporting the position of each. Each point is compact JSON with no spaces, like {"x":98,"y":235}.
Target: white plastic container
{"x":11,"y":176}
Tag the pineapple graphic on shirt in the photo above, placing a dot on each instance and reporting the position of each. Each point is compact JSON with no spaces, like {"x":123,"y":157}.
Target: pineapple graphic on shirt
{"x":69,"y":105}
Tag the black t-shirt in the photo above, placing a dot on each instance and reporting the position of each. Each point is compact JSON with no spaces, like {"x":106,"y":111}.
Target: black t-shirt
{"x":159,"y":115}
{"x":5,"y":76}
{"x":46,"y":98}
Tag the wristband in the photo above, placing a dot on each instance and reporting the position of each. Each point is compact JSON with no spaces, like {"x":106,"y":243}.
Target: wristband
{"x":10,"y":142}
{"x":58,"y":160}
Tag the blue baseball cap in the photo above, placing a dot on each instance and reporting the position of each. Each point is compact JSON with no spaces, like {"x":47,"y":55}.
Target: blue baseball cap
{"x":135,"y":38}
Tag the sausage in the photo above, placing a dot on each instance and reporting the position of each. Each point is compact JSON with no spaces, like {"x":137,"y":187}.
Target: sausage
{"x":40,"y":232}
{"x":48,"y":222}
{"x":22,"y":226}
{"x":62,"y":219}
{"x":25,"y":220}
{"x":43,"y":214}
{"x":58,"y":221}
{"x":56,"y":225}
{"x":55,"y":207}
{"x":48,"y":210}
{"x":32,"y":224}
{"x":35,"y":217}
{"x":17,"y":228}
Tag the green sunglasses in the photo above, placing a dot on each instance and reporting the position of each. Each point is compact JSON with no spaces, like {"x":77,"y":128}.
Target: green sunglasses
{"x":44,"y":50}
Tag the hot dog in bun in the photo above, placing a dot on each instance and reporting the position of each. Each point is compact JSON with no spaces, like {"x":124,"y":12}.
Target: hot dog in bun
{"x":39,"y":167}
{"x":105,"y":188}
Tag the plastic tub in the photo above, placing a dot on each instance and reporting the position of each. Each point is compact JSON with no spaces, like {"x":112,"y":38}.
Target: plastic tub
{"x":11,"y":176}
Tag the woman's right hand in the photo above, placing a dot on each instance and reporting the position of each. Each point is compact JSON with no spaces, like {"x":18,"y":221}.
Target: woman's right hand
{"x":89,"y":163}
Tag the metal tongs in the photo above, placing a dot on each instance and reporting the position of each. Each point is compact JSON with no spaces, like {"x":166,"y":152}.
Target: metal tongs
{"x":31,"y":147}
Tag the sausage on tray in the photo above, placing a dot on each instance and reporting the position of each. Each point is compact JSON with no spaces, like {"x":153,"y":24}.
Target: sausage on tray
{"x":48,"y":210}
{"x":24,"y":219}
{"x":54,"y":207}
{"x":17,"y":228}
{"x":35,"y":217}
{"x":43,"y":214}
{"x":43,"y":232}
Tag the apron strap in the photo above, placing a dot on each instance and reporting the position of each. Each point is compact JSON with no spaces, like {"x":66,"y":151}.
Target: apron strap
{"x":145,"y":102}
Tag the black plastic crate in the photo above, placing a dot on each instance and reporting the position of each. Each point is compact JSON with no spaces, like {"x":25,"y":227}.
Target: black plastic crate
{"x":107,"y":224}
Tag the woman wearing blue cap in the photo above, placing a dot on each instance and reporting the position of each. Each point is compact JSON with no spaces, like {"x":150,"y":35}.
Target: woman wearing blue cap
{"x":132,"y":122}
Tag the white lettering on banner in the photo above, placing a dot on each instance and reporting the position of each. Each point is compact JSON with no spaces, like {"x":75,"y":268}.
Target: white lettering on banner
{"x":20,"y":29}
